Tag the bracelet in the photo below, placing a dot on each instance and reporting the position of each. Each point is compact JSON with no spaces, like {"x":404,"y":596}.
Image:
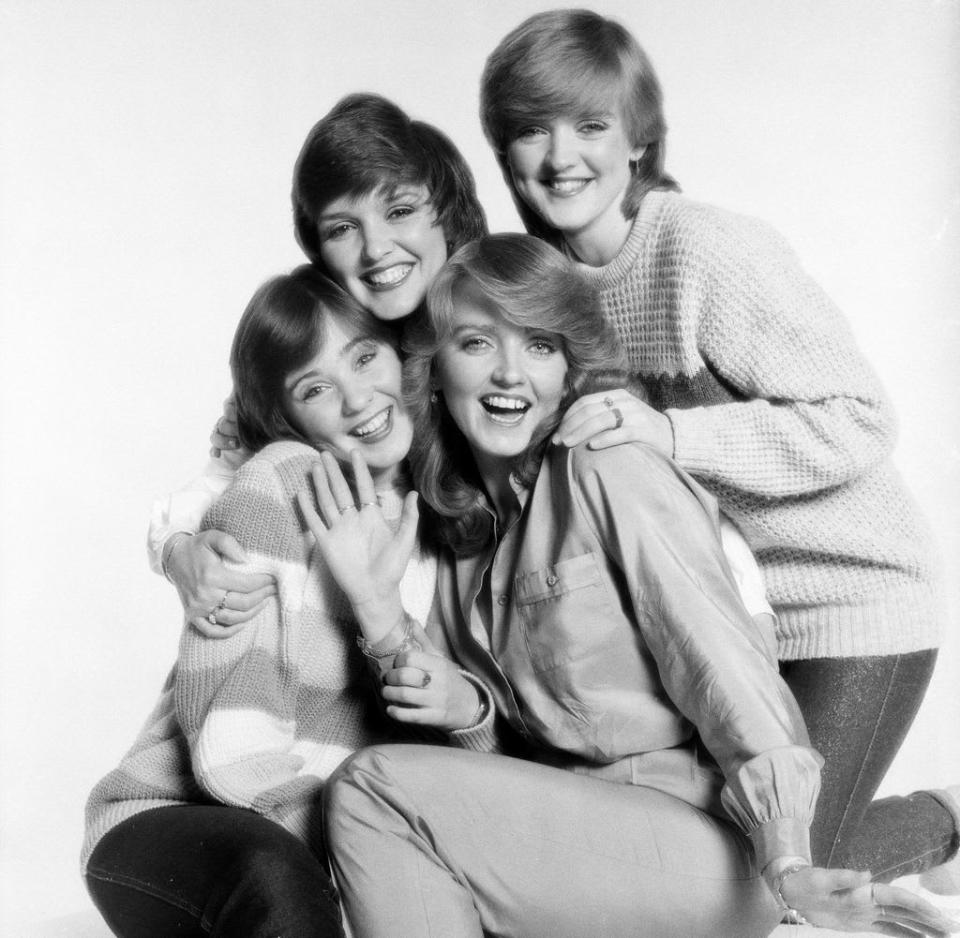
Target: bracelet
{"x":407,"y":641}
{"x":790,"y":915}
{"x":168,"y":548}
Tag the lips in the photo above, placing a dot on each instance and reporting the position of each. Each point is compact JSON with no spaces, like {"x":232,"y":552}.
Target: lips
{"x":566,"y":187}
{"x":508,"y":411}
{"x":387,"y":278}
{"x":376,"y":428}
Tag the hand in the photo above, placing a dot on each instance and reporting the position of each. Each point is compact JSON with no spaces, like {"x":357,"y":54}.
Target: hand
{"x":426,"y":689}
{"x":196,"y":567}
{"x":364,"y":555}
{"x":593,"y":418}
{"x":224,"y":435}
{"x":848,"y":901}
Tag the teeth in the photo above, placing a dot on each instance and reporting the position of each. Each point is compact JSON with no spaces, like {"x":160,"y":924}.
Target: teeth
{"x":390,"y":276}
{"x":373,"y":425}
{"x":505,"y":403}
{"x":567,"y":185}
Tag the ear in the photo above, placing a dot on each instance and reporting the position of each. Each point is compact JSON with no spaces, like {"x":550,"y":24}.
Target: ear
{"x":637,"y":153}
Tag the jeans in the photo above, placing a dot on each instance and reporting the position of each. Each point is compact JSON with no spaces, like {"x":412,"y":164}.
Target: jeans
{"x":858,"y":711}
{"x":427,"y":841}
{"x":199,"y":870}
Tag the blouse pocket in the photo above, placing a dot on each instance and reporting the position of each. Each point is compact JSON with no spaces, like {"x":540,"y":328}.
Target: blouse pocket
{"x":565,"y":611}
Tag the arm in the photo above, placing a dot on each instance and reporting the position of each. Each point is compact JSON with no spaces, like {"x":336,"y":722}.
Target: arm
{"x":813,"y":414}
{"x":237,"y":698}
{"x":714,"y":666}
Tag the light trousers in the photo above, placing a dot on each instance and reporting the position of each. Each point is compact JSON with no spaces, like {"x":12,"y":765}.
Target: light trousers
{"x":430,"y":841}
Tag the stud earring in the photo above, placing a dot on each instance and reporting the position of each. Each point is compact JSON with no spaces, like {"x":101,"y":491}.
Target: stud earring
{"x":434,"y":397}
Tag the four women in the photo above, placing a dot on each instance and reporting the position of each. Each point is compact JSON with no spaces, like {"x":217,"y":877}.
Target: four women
{"x":380,"y":202}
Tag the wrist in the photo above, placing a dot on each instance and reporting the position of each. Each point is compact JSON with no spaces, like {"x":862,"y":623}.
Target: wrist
{"x":778,"y":873}
{"x":171,"y":544}
{"x":378,"y":618}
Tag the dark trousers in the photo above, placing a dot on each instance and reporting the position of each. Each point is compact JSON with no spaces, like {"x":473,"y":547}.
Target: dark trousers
{"x":202,"y":870}
{"x":858,"y":711}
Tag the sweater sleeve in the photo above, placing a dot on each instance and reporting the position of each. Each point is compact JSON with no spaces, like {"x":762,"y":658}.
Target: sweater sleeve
{"x":712,"y":660}
{"x":812,"y":413}
{"x":184,"y":509}
{"x":237,"y":697}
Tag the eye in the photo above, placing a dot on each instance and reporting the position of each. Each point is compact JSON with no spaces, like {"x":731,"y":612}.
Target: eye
{"x":529,"y":133}
{"x":336,"y":232}
{"x":366,"y":356}
{"x":475,"y":343}
{"x":400,"y":212}
{"x":312,"y":391}
{"x":593,"y":126}
{"x":543,"y":347}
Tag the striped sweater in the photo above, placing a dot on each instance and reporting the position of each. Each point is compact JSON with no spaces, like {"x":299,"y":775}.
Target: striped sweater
{"x":776,"y":412}
{"x":260,"y":719}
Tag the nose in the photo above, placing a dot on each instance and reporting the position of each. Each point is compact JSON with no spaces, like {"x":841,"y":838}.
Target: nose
{"x":355,"y":396}
{"x":376,"y":243}
{"x":560,"y":153}
{"x":507,"y":371}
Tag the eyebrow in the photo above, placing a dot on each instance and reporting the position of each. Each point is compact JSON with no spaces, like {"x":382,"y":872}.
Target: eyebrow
{"x":292,"y":381}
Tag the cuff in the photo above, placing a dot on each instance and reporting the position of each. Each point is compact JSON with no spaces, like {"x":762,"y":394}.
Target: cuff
{"x":481,"y":737}
{"x":784,"y":837}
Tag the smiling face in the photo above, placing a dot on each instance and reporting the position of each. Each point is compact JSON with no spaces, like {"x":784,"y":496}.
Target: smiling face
{"x":499,"y":381}
{"x":574,"y":173}
{"x":383,"y":248}
{"x":348,"y":397}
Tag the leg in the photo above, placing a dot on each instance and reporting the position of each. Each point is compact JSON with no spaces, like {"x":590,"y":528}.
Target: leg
{"x":858,"y":711}
{"x":428,"y":841}
{"x":210,"y":870}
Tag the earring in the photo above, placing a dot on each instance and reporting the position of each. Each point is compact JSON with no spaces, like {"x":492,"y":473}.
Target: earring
{"x":434,"y":397}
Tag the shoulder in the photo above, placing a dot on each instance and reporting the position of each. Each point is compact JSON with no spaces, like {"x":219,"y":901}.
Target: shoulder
{"x":259,"y":508}
{"x":626,"y":477}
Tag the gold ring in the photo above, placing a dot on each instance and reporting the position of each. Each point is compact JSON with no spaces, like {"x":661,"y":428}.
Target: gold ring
{"x":343,"y":511}
{"x":616,"y":413}
{"x":368,"y":504}
{"x":223,"y":601}
{"x":212,"y":617}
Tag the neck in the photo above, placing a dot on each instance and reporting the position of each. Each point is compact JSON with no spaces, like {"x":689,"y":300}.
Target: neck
{"x":599,"y":243}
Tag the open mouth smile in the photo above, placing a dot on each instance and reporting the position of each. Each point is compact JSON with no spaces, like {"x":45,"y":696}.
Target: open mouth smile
{"x":566,"y":187}
{"x":506,"y":411}
{"x":376,"y":428}
{"x":387,"y":278}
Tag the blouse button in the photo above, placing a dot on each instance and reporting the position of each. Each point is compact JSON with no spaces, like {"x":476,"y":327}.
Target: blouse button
{"x":553,"y":579}
{"x":502,"y":599}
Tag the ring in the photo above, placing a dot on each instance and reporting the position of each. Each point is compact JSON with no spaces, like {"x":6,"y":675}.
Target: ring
{"x":212,"y":617}
{"x":222,"y":602}
{"x":426,"y":679}
{"x":608,"y":401}
{"x":616,"y":413}
{"x":343,"y":511}
{"x":368,"y":504}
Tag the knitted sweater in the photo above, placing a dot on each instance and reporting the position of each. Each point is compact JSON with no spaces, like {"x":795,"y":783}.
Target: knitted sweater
{"x":261,"y":719}
{"x":776,"y":412}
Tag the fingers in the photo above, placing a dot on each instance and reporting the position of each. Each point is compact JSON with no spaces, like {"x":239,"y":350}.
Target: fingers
{"x":329,"y":511}
{"x":599,"y":415}
{"x":338,"y":485}
{"x":225,"y":545}
{"x":366,"y":494}
{"x":204,"y":627}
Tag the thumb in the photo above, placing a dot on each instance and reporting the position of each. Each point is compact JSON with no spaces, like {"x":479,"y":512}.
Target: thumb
{"x":418,"y":633}
{"x":227,"y":547}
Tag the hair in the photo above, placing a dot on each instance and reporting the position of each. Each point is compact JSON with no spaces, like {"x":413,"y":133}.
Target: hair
{"x":282,"y":329}
{"x":564,"y":62}
{"x":367,"y":144}
{"x":533,"y":287}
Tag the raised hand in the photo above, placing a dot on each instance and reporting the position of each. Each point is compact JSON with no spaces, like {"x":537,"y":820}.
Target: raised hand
{"x":609,"y":418}
{"x":224,"y":435}
{"x":364,"y":554}
{"x":848,"y":901}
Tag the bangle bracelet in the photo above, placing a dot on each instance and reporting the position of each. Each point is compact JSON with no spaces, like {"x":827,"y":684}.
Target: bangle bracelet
{"x":407,"y":642}
{"x":790,"y":915}
{"x":168,"y":549}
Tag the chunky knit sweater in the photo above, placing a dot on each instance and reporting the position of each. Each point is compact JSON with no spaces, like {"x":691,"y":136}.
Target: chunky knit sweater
{"x":776,"y":412}
{"x":260,"y":719}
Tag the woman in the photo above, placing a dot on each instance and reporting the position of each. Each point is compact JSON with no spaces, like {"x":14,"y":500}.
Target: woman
{"x":604,"y":619}
{"x":379,"y":201}
{"x":757,"y":388}
{"x":211,"y":824}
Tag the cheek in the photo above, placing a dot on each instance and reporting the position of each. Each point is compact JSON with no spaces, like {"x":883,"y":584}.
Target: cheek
{"x":336,"y":258}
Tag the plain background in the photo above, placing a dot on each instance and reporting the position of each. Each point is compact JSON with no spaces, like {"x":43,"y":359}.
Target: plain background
{"x":146,"y":157}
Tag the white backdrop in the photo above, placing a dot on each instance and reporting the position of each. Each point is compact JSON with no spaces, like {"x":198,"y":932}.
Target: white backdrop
{"x":145,"y":168}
